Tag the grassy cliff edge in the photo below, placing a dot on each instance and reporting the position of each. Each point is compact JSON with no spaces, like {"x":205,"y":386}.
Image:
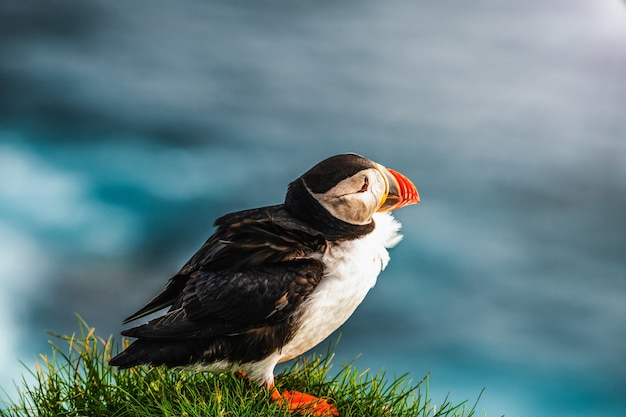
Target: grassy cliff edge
{"x":76,"y":380}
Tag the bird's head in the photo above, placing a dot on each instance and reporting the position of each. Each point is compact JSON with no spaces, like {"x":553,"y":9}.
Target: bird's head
{"x":348,"y":188}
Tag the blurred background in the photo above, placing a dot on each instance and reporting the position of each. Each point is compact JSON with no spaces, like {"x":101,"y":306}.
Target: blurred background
{"x":126,"y":128}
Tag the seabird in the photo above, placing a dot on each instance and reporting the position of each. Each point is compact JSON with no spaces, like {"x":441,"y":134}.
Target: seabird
{"x":273,"y":282}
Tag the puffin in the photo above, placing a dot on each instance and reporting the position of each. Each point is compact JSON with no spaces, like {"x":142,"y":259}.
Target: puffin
{"x":273,"y":282}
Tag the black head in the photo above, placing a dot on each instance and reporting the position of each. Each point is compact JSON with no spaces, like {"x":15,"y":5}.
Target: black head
{"x":339,"y":195}
{"x":331,"y":171}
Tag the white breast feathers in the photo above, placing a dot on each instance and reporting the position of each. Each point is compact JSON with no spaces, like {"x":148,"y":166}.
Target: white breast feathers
{"x":351,"y":268}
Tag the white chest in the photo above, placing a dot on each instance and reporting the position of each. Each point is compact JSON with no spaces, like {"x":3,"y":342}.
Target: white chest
{"x":351,"y":269}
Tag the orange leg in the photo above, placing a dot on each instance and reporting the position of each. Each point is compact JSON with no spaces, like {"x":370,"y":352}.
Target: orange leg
{"x":298,"y":401}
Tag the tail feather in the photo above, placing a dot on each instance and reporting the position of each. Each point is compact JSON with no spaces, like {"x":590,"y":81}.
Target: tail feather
{"x":145,"y":352}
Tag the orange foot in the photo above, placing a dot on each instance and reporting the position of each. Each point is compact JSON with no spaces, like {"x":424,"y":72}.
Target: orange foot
{"x":298,"y":401}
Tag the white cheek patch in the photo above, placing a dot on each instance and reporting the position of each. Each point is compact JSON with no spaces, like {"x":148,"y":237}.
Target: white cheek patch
{"x":378,"y":187}
{"x":350,"y":208}
{"x":345,"y":202}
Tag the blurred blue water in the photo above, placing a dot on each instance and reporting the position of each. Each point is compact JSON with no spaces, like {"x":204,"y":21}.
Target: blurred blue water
{"x":126,"y":129}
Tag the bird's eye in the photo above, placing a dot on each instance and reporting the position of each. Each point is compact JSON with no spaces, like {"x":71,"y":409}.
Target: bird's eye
{"x":365,"y":186}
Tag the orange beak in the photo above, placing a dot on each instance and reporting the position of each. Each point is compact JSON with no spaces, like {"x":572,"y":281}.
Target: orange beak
{"x":400,"y":191}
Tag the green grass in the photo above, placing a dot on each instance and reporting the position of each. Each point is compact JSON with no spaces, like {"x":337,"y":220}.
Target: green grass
{"x":76,"y":380}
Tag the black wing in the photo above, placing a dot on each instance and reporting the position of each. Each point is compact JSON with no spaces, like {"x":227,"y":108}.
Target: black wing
{"x":247,"y":242}
{"x":227,"y":303}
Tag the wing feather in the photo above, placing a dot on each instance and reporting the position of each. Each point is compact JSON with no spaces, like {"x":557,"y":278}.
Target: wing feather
{"x":244,"y":240}
{"x":226,"y":303}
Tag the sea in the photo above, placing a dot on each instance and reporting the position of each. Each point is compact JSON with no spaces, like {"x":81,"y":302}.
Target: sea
{"x":127,"y":128}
